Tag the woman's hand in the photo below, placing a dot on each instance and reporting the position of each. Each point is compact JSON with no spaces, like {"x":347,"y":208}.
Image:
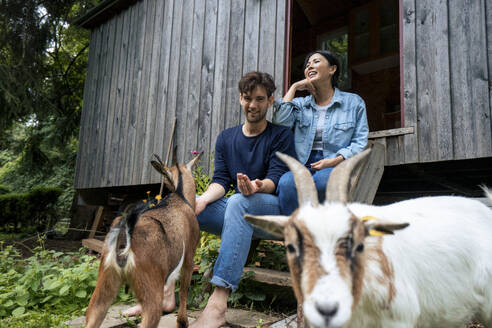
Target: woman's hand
{"x":327,"y":162}
{"x":299,"y":86}
{"x":305,"y":85}
{"x":246,"y":186}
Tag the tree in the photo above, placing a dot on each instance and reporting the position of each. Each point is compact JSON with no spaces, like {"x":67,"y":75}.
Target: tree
{"x":43,"y":62}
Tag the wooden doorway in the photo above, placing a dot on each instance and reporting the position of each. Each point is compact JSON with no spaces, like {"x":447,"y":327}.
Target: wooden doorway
{"x":364,"y":34}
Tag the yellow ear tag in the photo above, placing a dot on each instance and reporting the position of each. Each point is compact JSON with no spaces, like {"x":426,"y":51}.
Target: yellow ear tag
{"x":368,"y":218}
{"x":376,"y":233}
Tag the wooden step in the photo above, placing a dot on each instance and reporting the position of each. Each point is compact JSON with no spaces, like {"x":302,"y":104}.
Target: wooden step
{"x":268,"y":276}
{"x":93,"y":244}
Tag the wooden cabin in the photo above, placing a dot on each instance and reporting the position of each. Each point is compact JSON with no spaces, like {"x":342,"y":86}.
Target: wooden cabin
{"x":422,"y":66}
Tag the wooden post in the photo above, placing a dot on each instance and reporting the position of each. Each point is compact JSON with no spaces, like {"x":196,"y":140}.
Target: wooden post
{"x":95,"y":224}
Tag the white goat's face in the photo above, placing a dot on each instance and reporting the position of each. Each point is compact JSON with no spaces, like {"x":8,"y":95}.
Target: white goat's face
{"x":326,"y":256}
{"x":324,"y":250}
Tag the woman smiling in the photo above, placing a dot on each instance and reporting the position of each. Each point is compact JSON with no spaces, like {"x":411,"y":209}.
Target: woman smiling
{"x":329,"y":125}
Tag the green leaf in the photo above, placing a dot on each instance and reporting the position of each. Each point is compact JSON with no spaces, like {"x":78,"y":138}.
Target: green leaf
{"x":81,"y":293}
{"x":255,"y":296}
{"x":64,"y":290}
{"x":19,"y":311}
{"x":46,"y":299}
{"x":22,"y":299}
{"x":8,"y":304}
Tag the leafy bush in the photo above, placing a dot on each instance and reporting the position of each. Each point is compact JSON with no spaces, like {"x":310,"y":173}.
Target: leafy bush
{"x":49,"y":281}
{"x":4,"y":189}
{"x":34,"y":208}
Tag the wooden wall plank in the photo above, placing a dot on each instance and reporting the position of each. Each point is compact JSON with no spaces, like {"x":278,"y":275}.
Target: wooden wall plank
{"x":210,"y":45}
{"x":266,"y":46}
{"x":115,"y":161}
{"x":160,"y":144}
{"x":219,"y":100}
{"x":84,"y":119}
{"x":235,"y":62}
{"x":196,"y":70}
{"x":152,"y":109}
{"x":488,"y":16}
{"x":121,"y":156}
{"x":92,"y":107}
{"x":102,"y":110}
{"x":135,"y":92}
{"x":410,"y":92}
{"x":139,"y":162}
{"x":280,"y":47}
{"x":469,"y":80}
{"x":434,"y":105}
{"x":107,"y":158}
{"x":174,"y":70}
{"x":395,"y":150}
{"x":184,"y":78}
{"x":251,"y":39}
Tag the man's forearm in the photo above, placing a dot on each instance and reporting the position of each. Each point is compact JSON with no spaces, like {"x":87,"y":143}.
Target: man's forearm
{"x":268,"y":187}
{"x":213,"y":192}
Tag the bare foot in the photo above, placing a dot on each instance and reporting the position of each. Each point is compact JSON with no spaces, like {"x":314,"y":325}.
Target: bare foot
{"x":168,"y":303}
{"x":213,"y":316}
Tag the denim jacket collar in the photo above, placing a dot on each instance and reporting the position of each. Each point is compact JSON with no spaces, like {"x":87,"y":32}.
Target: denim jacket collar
{"x":337,"y":98}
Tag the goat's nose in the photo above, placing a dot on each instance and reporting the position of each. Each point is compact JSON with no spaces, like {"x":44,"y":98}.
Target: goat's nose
{"x":327,"y":310}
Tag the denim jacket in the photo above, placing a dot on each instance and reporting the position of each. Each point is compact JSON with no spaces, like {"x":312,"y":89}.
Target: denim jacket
{"x":345,"y":131}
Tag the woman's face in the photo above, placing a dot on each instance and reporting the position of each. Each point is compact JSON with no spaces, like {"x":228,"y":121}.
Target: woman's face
{"x":318,"y":69}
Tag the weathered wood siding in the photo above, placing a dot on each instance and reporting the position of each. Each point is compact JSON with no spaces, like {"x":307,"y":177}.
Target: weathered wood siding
{"x":447,"y":51}
{"x":160,"y":59}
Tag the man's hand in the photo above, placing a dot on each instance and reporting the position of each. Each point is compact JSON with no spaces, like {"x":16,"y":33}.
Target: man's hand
{"x":326,"y":162}
{"x":246,"y":186}
{"x":200,"y":205}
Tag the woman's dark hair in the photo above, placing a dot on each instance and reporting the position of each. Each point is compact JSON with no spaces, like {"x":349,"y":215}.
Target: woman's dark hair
{"x":252,"y":79}
{"x":332,"y":60}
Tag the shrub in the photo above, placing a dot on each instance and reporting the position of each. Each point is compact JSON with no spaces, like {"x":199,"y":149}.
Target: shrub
{"x":49,"y":280}
{"x":32,"y":209}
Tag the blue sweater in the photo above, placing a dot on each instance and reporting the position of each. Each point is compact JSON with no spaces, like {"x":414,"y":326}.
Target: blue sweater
{"x":253,"y":156}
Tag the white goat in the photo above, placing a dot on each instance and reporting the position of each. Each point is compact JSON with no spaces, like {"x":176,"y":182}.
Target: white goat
{"x":435,"y":272}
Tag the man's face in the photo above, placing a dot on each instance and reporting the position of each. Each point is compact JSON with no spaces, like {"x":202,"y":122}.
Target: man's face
{"x":255,"y":104}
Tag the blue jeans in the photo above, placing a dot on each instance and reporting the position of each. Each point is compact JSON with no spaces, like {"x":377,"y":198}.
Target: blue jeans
{"x":225,"y":217}
{"x":287,"y":191}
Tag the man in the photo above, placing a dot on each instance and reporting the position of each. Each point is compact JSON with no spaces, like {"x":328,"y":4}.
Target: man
{"x":244,"y":157}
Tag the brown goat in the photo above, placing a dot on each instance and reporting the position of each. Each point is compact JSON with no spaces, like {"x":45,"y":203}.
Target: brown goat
{"x":160,"y":243}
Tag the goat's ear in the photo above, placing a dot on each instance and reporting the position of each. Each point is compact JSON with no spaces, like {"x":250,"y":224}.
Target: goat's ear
{"x":168,"y":181}
{"x":273,"y":224}
{"x":193,"y":162}
{"x":376,"y":227}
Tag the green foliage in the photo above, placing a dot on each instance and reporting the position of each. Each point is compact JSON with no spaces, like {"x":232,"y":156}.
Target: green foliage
{"x":31,"y":209}
{"x":4,"y":190}
{"x":33,"y":319}
{"x":48,"y":281}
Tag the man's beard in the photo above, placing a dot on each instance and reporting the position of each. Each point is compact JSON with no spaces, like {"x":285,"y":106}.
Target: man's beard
{"x":258,"y":118}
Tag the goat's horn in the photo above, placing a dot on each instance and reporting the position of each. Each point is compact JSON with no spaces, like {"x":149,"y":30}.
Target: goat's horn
{"x":339,"y":182}
{"x":192,"y":163}
{"x":306,"y":190}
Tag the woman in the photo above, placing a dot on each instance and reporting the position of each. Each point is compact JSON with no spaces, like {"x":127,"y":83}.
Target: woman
{"x":329,"y":125}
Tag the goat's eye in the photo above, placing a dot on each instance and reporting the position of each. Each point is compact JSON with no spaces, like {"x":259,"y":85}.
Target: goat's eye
{"x":291,"y":248}
{"x":360,"y":248}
